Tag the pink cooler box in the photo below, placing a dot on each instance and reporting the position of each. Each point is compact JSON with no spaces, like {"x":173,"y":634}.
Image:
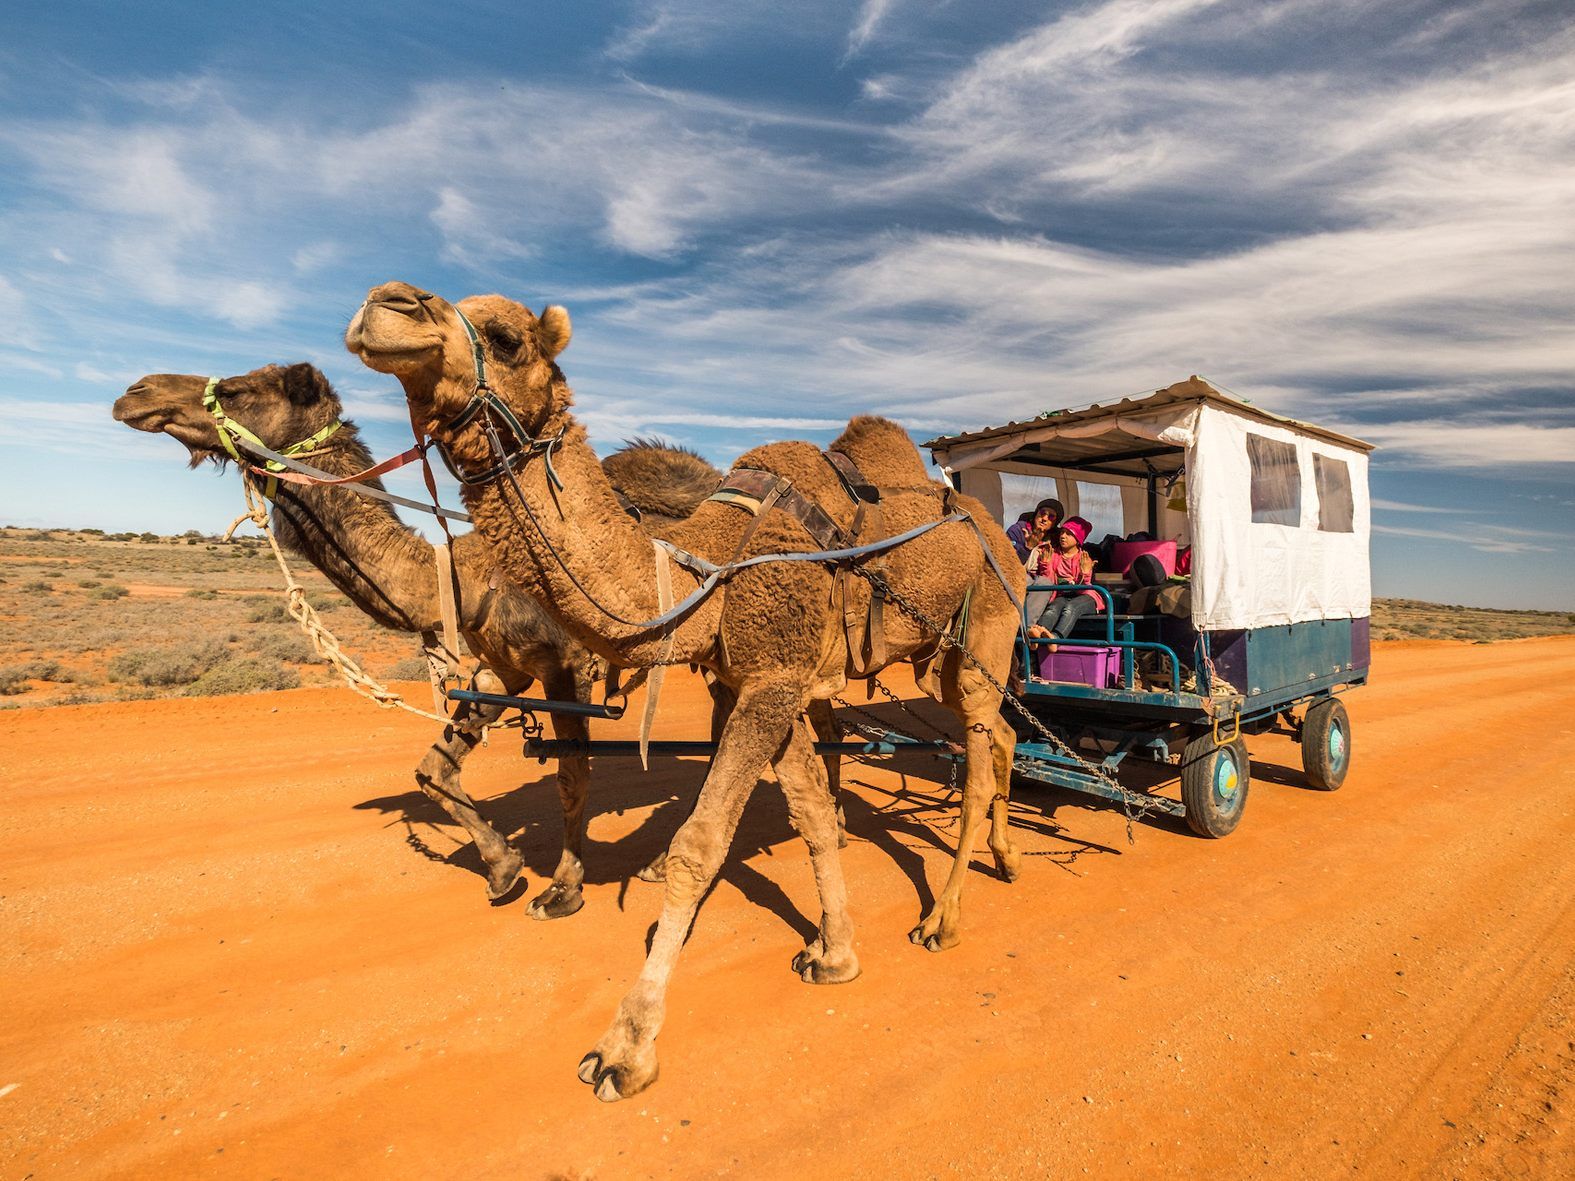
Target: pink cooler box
{"x":1099,"y":667}
{"x":1124,"y":553}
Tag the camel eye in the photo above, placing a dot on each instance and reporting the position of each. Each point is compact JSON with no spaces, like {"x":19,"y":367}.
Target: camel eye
{"x":504,"y":339}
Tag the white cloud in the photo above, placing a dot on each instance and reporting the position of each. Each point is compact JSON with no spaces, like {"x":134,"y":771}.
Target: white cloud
{"x":1392,"y":506}
{"x":1464,"y":444}
{"x":871,"y":13}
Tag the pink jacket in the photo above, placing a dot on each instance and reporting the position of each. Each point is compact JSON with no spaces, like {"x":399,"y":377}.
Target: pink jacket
{"x":1047,"y":565}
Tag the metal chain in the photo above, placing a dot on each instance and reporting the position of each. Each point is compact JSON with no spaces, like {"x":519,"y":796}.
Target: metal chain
{"x":877,"y":729}
{"x":1133,"y":806}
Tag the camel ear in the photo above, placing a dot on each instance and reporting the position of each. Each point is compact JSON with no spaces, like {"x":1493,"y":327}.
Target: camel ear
{"x":303,"y":384}
{"x":553,"y":331}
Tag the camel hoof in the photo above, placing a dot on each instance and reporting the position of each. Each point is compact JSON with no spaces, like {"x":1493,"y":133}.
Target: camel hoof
{"x":1010,"y":868}
{"x":654,"y":872}
{"x":809,"y":967}
{"x":555,"y":902}
{"x":503,"y":877}
{"x":607,"y":1089}
{"x":612,"y":1083}
{"x":941,"y":941}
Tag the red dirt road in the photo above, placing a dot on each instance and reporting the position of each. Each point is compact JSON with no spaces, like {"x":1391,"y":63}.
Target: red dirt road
{"x":236,"y":943}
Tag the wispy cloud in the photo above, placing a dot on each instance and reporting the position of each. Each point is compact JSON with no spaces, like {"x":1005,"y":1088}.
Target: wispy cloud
{"x":1392,"y":506}
{"x":1486,"y":539}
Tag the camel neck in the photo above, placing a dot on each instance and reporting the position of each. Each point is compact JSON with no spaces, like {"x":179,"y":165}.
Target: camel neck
{"x":577,"y":550}
{"x":359,"y":544}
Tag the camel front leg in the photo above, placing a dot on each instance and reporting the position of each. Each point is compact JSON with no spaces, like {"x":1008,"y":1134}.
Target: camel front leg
{"x":722,"y":699}
{"x":623,"y":1063}
{"x":565,"y":895}
{"x":829,"y":958}
{"x":438,"y":777}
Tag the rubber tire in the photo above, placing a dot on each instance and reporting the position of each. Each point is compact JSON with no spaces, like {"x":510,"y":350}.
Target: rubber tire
{"x":1326,"y":745}
{"x":1210,"y":812}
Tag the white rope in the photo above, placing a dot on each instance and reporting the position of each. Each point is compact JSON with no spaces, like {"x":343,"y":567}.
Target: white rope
{"x":324,"y":643}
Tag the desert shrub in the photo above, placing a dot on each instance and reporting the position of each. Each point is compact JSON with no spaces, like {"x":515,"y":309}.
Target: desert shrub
{"x":200,"y":593}
{"x":111,"y":592}
{"x":47,"y":670}
{"x":78,"y":697}
{"x":89,"y":583}
{"x":37,"y":587}
{"x":163,"y":667}
{"x":291,"y":646}
{"x":148,"y":537}
{"x":51,"y":573}
{"x":13,"y":680}
{"x":411,"y":668}
{"x":273,"y":612}
{"x":93,"y":532}
{"x":244,"y":676}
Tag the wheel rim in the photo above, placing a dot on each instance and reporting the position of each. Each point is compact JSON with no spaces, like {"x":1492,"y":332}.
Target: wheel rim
{"x":1338,"y":747}
{"x":1227,"y":782}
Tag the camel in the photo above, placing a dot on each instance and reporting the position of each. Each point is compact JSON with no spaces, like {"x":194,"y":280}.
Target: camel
{"x":776,"y":638}
{"x":390,"y":572}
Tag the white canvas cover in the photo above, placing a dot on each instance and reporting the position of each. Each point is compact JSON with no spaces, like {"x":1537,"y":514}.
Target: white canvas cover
{"x":1245,"y":573}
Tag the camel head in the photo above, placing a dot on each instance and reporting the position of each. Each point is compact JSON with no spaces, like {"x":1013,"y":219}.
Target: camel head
{"x":419,"y":338}
{"x":280,"y":404}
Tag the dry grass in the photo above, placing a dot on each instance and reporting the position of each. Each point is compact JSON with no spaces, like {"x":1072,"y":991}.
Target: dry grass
{"x":1401,"y":619}
{"x":89,"y":616}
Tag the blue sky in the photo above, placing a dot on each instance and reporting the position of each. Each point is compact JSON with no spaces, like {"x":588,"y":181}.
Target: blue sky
{"x":765,"y":217}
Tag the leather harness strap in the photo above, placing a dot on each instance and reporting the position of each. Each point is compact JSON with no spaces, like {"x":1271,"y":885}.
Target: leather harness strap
{"x":758,"y":492}
{"x":658,"y":671}
{"x":866,"y":652}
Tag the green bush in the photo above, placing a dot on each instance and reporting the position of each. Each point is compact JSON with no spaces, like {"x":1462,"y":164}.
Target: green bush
{"x":244,"y":676}
{"x":164,"y":667}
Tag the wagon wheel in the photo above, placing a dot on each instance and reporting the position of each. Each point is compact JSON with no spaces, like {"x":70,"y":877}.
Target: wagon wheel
{"x":1326,"y":744}
{"x":1214,"y":782}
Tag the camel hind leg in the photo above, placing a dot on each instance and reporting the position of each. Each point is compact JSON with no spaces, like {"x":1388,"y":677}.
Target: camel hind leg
{"x":989,"y":742}
{"x":829,"y":958}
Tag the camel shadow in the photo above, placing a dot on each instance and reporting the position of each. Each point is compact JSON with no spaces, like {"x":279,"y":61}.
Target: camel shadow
{"x":923,"y":809}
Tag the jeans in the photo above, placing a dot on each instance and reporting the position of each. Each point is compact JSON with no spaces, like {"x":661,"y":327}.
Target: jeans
{"x":1063,"y":612}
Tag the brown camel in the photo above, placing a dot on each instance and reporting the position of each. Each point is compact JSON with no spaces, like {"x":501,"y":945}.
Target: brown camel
{"x":390,"y":572}
{"x":775,"y":639}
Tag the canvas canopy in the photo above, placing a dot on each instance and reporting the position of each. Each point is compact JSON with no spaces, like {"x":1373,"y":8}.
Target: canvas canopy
{"x":1276,"y":511}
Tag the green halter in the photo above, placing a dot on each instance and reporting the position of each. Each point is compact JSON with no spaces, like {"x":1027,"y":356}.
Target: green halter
{"x":230,"y":430}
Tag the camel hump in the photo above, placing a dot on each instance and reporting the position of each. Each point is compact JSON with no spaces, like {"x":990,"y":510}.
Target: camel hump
{"x":883,"y":451}
{"x":660,"y":478}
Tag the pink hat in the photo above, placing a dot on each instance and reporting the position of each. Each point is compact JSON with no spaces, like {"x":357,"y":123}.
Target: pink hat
{"x":1078,"y":528}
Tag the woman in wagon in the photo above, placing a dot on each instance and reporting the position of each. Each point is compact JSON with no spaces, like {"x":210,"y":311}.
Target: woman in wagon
{"x":1064,"y":560}
{"x":1031,"y":529}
